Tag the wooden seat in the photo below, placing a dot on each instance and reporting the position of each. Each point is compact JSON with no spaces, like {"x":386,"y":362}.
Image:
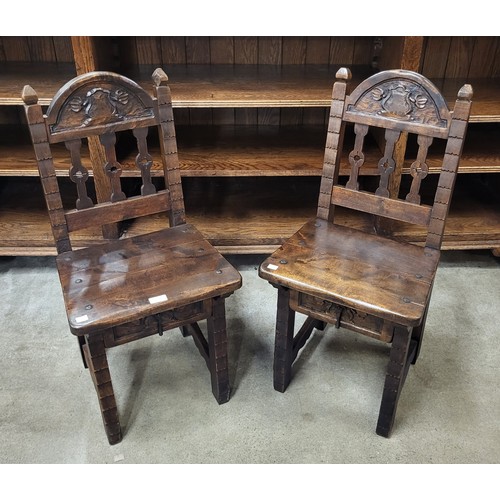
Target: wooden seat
{"x":368,"y":281}
{"x":127,"y":288}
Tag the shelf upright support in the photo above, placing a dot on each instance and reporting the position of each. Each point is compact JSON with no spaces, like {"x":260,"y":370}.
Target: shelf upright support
{"x":85,"y":56}
{"x":405,"y":52}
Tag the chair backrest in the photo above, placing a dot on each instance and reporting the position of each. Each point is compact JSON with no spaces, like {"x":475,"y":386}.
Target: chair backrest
{"x":101,"y":104}
{"x":400,"y":103}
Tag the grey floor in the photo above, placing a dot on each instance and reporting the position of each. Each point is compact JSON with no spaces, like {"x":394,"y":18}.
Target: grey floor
{"x":449,"y":411}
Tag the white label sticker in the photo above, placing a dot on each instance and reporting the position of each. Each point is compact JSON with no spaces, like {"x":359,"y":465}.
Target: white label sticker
{"x":158,"y":298}
{"x":81,"y":319}
{"x":273,"y":267}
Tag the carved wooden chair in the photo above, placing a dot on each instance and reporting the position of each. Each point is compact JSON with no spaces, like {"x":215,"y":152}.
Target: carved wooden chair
{"x":363,"y":279}
{"x":124,"y":289}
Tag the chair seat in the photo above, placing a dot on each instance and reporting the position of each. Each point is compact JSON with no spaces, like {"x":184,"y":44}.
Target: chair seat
{"x":388,"y":279}
{"x":124,"y":280}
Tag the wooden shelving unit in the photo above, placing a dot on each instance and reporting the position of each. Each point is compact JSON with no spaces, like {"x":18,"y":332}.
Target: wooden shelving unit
{"x":251,"y":117}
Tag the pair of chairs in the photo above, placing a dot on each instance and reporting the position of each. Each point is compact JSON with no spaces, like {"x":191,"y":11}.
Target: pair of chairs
{"x":124,"y":289}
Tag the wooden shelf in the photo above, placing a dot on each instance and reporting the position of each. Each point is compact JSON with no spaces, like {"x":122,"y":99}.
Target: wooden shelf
{"x":240,"y":86}
{"x":243,"y":216}
{"x":485,"y":101}
{"x":45,"y":78}
{"x":248,"y":134}
{"x":245,"y":151}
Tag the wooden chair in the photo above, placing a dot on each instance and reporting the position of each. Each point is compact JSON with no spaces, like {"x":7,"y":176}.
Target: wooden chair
{"x":124,"y":289}
{"x":356,"y":277}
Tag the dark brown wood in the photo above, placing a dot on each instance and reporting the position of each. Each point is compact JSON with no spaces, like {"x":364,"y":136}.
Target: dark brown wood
{"x":122,"y":290}
{"x":397,"y":369}
{"x":365,"y":282}
{"x":283,"y":344}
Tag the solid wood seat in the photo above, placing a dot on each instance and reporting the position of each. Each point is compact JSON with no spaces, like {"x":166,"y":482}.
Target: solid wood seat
{"x":126,"y":288}
{"x":356,"y":270}
{"x":114,"y":283}
{"x":367,"y":281}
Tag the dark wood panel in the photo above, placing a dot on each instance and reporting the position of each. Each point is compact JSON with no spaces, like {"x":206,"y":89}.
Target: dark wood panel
{"x":221,"y":50}
{"x":436,"y":56}
{"x":460,"y":56}
{"x":246,"y":50}
{"x":173,"y":50}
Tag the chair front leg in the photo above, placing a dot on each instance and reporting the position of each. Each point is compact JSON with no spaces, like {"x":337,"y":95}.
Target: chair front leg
{"x":283,"y":346}
{"x":394,"y":379}
{"x":95,"y":355}
{"x":217,"y":351}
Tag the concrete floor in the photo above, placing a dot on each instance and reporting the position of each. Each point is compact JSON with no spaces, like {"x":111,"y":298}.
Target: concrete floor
{"x":449,"y":411}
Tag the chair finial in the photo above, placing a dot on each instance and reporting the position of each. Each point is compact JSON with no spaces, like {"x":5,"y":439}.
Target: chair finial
{"x":160,"y":77}
{"x":343,"y":74}
{"x":465,"y":93}
{"x":29,"y":95}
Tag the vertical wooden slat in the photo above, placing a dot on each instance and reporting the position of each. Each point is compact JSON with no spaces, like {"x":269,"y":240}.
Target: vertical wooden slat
{"x":245,"y":116}
{"x":201,"y":116}
{"x":291,"y":116}
{"x":270,"y":50}
{"x":341,"y":50}
{"x":221,"y":50}
{"x":315,"y":116}
{"x":148,"y":50}
{"x":62,"y":47}
{"x":460,"y":56}
{"x":294,"y":50}
{"x":246,"y":50}
{"x":411,"y":57}
{"x":318,"y":50}
{"x":437,"y":49}
{"x":198,"y":50}
{"x":268,"y":116}
{"x":173,"y":50}
{"x":41,"y":49}
{"x":223,"y":116}
{"x":85,"y":61}
{"x":483,"y":57}
{"x":2,"y":51}
{"x":363,"y":50}
{"x":16,"y":48}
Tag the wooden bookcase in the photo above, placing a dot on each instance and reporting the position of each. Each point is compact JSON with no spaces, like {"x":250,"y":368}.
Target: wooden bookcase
{"x":251,"y":117}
